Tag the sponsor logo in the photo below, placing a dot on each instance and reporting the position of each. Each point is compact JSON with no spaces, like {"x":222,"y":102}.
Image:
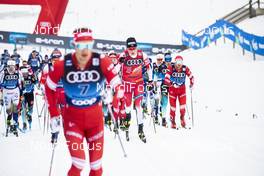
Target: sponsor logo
{"x":178,"y":75}
{"x":27,"y":82}
{"x":13,"y":37}
{"x":84,"y":102}
{"x":108,"y":46}
{"x":68,"y":63}
{"x":11,"y":77}
{"x":45,"y":24}
{"x":134,"y":62}
{"x":157,"y":50}
{"x":164,"y":71}
{"x":95,"y":61}
{"x":144,"y":46}
{"x":48,"y":41}
{"x":1,"y":37}
{"x":83,"y":76}
{"x":255,"y":45}
{"x":71,"y":124}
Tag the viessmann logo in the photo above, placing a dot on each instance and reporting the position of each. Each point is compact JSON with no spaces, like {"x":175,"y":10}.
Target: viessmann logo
{"x":49,"y":41}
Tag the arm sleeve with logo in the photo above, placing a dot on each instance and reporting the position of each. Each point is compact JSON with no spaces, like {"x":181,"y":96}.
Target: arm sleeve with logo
{"x":109,"y":72}
{"x":167,"y":80}
{"x":148,"y":66}
{"x":189,"y":74}
{"x":51,"y":85}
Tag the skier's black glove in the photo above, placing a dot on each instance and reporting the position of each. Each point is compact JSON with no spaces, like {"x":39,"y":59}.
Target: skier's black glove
{"x":54,"y":137}
{"x":150,"y":86}
{"x":122,"y":59}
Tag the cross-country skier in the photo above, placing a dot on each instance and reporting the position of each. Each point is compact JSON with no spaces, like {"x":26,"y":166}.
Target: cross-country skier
{"x":10,"y":81}
{"x":175,"y":78}
{"x":4,"y":57}
{"x":27,"y":96}
{"x":16,"y":57}
{"x":133,"y":60}
{"x":35,"y":61}
{"x":160,"y":69}
{"x":83,"y":73}
{"x":147,"y":94}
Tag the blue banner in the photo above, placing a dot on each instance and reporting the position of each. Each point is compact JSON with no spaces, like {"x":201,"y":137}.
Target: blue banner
{"x":220,"y":28}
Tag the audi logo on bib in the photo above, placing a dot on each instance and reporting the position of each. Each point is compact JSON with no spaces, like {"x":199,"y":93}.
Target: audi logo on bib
{"x":134,"y":62}
{"x":164,"y":71}
{"x":11,"y":77}
{"x":27,"y":82}
{"x":83,"y":76}
{"x":178,"y":75}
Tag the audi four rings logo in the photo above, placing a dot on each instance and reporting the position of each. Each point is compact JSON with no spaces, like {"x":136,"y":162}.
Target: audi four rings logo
{"x":134,"y":62}
{"x":85,"y":76}
{"x":11,"y":77}
{"x":27,"y":82}
{"x":84,"y":102}
{"x":164,"y":70}
{"x":178,"y":75}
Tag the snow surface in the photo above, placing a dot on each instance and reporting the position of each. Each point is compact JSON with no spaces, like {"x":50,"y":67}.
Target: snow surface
{"x":221,"y":143}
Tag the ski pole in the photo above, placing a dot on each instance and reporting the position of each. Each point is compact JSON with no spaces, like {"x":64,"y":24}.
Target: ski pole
{"x":52,"y":157}
{"x":45,"y":120}
{"x":192,"y":109}
{"x":117,"y":132}
{"x":154,"y":109}
{"x":188,"y":111}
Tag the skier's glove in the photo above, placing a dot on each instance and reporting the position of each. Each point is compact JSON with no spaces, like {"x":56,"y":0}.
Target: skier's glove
{"x":191,"y":87}
{"x":122,"y":59}
{"x":175,"y":85}
{"x":55,"y":124}
{"x":150,"y":86}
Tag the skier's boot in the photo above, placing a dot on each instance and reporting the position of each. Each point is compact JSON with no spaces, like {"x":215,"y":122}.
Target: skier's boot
{"x":183,"y":124}
{"x":122,"y":124}
{"x":173,"y":125}
{"x":14,"y":129}
{"x":127,"y":121}
{"x":156,"y":120}
{"x":164,"y":123}
{"x":24,"y":126}
{"x":8,"y":126}
{"x":141,"y":133}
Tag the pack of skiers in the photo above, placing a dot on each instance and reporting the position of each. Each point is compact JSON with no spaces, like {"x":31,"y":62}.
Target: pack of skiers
{"x":86,"y":90}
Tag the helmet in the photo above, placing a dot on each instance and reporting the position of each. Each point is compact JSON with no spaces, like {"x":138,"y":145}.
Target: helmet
{"x":11,"y":62}
{"x":24,"y":70}
{"x":131,"y":42}
{"x":56,"y":53}
{"x":160,"y":57}
{"x":167,"y":57}
{"x":178,"y":60}
{"x":112,"y":53}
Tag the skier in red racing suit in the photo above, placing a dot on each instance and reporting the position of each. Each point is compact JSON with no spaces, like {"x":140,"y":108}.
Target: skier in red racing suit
{"x":83,"y":73}
{"x":175,"y":78}
{"x":133,"y":61}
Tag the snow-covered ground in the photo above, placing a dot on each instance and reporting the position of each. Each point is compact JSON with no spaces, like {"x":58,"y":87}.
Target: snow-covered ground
{"x":226,"y":139}
{"x":221,"y":143}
